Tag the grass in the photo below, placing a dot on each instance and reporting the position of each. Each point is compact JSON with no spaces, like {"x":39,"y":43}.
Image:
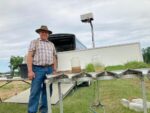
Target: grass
{"x":129,"y":65}
{"x":89,"y":68}
{"x":111,"y":92}
{"x":116,"y":67}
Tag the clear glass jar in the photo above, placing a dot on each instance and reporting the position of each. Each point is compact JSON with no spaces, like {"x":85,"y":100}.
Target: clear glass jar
{"x":75,"y":65}
{"x":98,"y":66}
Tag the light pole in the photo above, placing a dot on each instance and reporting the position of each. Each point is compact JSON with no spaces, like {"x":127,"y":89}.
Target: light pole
{"x":92,"y":31}
{"x":88,"y":18}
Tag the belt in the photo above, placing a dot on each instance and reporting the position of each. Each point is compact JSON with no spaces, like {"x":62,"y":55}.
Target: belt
{"x":46,"y":65}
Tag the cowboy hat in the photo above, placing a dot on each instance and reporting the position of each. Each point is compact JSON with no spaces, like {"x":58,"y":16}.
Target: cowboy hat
{"x":43,"y":28}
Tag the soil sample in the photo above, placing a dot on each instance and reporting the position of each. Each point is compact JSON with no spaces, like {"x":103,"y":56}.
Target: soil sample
{"x":75,"y":64}
{"x":76,"y":69}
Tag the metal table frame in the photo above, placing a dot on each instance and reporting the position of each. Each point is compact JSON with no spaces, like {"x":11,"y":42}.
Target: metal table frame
{"x":139,"y":75}
{"x":52,"y":79}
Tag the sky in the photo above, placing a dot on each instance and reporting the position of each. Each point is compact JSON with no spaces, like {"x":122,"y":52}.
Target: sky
{"x":115,"y":22}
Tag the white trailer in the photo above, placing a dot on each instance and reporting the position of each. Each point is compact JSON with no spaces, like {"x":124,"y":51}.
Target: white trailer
{"x":109,"y":55}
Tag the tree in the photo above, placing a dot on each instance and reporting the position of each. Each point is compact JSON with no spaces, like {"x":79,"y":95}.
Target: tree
{"x":15,"y":61}
{"x":146,"y":55}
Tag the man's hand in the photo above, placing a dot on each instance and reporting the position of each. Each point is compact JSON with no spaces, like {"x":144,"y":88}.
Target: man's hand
{"x":31,"y":75}
{"x":54,"y":72}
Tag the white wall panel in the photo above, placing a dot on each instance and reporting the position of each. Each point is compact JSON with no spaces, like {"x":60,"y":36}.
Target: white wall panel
{"x":110,"y":55}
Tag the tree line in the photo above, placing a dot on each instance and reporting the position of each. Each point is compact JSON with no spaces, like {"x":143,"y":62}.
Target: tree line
{"x":146,"y":55}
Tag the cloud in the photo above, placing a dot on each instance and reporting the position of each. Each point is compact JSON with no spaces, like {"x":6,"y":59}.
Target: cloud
{"x":115,"y":22}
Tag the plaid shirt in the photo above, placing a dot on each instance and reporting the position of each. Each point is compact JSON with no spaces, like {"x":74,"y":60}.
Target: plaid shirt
{"x":44,"y":52}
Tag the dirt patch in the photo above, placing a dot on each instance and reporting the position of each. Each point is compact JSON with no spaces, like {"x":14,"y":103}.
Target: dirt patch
{"x":12,"y":89}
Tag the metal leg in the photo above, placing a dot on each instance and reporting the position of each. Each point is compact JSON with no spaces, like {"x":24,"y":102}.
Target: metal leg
{"x":94,"y":95}
{"x":144,"y":96}
{"x":60,"y":97}
{"x":97,"y":102}
{"x":75,"y":87}
{"x":91,"y":108}
{"x":48,"y":96}
{"x":98,"y":97}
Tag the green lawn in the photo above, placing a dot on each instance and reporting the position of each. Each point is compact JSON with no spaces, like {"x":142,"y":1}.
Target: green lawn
{"x":111,"y":92}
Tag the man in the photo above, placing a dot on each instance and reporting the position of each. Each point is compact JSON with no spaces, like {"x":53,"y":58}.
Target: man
{"x":41,"y":60}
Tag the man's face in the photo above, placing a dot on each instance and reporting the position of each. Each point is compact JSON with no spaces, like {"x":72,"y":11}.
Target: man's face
{"x":43,"y":35}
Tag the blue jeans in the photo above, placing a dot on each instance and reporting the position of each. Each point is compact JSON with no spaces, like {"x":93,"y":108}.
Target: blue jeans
{"x":38,"y":90}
